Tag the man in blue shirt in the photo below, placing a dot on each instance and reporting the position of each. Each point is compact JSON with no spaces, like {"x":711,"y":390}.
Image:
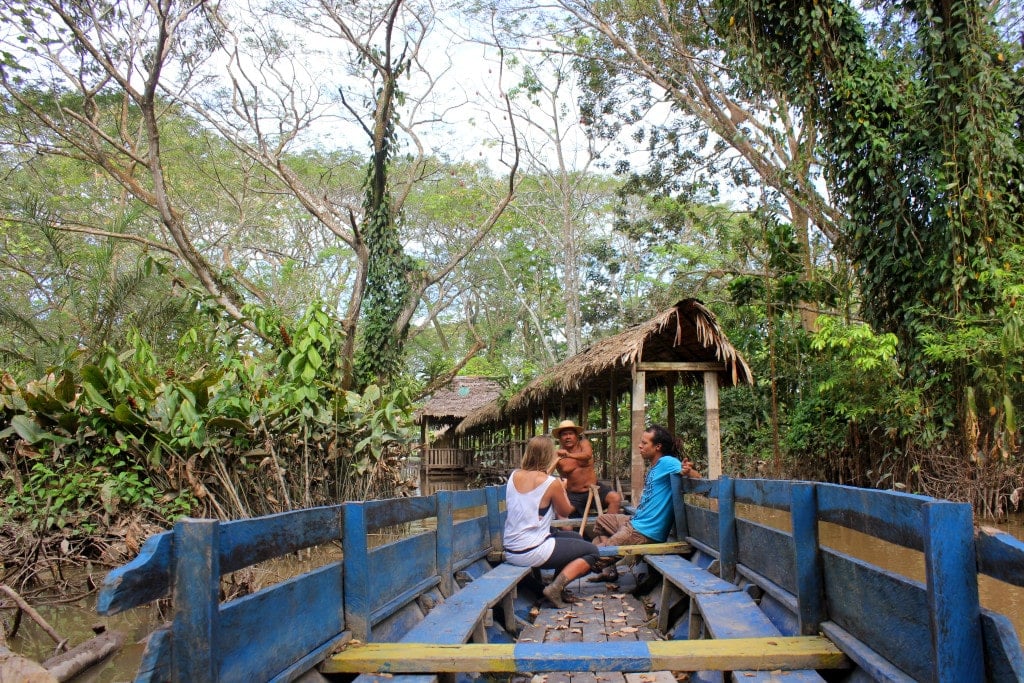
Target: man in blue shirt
{"x":653,"y":517}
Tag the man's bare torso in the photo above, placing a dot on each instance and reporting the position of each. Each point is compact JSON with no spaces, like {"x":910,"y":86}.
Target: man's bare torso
{"x":576,"y":465}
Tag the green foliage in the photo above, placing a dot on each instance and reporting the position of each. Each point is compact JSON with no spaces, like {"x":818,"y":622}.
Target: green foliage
{"x":122,"y":433}
{"x":921,"y":147}
{"x":864,"y":368}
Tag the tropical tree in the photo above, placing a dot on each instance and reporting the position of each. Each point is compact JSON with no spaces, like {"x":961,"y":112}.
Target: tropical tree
{"x":921,"y":139}
{"x":102,"y":85}
{"x":657,"y":73}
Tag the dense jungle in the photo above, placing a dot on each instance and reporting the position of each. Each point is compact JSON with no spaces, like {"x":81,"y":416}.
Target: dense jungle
{"x":243,"y":242}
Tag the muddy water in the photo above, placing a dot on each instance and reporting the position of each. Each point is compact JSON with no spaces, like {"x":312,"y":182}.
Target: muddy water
{"x":74,"y":621}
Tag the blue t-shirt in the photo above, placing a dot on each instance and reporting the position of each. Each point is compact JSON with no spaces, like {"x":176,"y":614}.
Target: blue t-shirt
{"x":654,"y":515}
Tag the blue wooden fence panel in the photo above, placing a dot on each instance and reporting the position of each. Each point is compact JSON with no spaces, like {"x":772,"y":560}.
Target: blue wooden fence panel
{"x":472,"y":498}
{"x":355,"y":558}
{"x":242,"y":543}
{"x":728,"y":549}
{"x":268,"y":631}
{"x":394,"y":511}
{"x":953,"y":602}
{"x":1000,"y":556}
{"x":141,"y":581}
{"x":495,"y":515}
{"x":444,"y":550}
{"x":392,"y":573}
{"x":245,"y":542}
{"x":889,"y":613}
{"x":195,"y":628}
{"x":471,"y":540}
{"x":807,"y":567}
{"x":767,"y":551}
{"x":889,"y":515}
{"x":702,"y":524}
{"x":1003,"y":655}
{"x":770,"y":493}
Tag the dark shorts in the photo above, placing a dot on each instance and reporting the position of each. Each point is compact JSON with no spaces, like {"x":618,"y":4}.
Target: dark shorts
{"x":569,"y":546}
{"x":579,"y":500}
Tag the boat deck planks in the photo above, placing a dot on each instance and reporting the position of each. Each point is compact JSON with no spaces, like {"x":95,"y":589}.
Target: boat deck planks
{"x":604,"y":613}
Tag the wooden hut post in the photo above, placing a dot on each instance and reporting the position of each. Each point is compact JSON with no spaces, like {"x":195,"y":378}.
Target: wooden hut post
{"x":604,"y":444}
{"x":636,"y":469}
{"x":670,"y":399}
{"x":613,"y":436}
{"x":545,"y":417}
{"x":713,"y":429}
{"x":424,"y":435}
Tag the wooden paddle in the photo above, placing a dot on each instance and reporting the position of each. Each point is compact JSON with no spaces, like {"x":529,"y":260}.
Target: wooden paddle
{"x":586,"y":509}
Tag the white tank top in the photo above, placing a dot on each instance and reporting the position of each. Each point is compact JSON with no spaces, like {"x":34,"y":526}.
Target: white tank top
{"x":525,"y":528}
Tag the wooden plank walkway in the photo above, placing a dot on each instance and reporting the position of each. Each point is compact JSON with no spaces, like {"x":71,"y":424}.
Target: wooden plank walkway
{"x":605,"y":613}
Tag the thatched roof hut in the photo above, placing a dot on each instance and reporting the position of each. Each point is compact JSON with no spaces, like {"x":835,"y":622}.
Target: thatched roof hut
{"x":685,"y":333}
{"x":454,"y":402}
{"x":684,"y":342}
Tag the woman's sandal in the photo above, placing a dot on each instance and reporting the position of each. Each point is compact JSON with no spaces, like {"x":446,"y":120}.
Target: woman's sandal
{"x":609,"y":575}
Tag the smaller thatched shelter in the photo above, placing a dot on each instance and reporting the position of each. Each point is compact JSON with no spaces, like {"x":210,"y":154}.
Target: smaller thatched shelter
{"x":450,"y":405}
{"x":683,"y":342}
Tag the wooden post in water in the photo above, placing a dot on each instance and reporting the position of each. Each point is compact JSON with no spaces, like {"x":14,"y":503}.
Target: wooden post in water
{"x":613,"y":435}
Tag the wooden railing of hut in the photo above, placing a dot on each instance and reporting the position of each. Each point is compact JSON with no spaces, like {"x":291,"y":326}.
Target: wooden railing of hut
{"x":447,"y":460}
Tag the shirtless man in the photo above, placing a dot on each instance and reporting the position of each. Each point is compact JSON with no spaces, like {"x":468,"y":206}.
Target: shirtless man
{"x":576,"y":466}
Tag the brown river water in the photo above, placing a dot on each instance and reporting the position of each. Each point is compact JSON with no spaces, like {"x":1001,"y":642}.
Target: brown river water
{"x":75,"y":621}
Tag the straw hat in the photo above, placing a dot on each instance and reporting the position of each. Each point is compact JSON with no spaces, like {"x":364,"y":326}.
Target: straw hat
{"x":566,"y":424}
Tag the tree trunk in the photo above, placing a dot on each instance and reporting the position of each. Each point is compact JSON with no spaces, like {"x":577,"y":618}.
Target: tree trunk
{"x":16,"y":668}
{"x":66,"y":666}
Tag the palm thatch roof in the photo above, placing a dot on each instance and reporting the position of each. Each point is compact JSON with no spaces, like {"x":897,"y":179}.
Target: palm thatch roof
{"x":686,"y":332}
{"x":458,"y":399}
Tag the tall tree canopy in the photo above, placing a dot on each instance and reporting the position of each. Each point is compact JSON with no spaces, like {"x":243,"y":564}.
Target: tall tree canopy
{"x":923,"y":149}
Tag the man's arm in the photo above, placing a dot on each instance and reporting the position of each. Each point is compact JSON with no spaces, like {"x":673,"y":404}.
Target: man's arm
{"x":566,"y":463}
{"x":688,"y":470}
{"x":584,"y":457}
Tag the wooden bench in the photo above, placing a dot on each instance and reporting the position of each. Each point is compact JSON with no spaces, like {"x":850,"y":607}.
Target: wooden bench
{"x":721,"y":609}
{"x":459,"y":618}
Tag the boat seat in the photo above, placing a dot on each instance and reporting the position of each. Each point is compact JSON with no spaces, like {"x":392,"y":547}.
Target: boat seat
{"x":722,"y":610}
{"x":453,"y":621}
{"x":459,"y":618}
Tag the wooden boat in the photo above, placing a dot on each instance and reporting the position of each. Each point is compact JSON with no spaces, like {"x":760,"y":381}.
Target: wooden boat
{"x":739,"y":598}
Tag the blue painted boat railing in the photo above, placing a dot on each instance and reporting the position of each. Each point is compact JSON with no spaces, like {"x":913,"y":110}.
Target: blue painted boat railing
{"x":891,"y":627}
{"x":886,"y":623}
{"x":282,"y":631}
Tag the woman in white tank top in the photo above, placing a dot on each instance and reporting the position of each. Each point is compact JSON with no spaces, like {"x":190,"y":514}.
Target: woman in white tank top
{"x":532,"y":498}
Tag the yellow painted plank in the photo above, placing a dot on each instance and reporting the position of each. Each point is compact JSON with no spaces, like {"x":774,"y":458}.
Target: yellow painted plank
{"x":656,"y":548}
{"x":421,"y":658}
{"x":673,"y":548}
{"x":763,"y":654}
{"x":754,"y":654}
